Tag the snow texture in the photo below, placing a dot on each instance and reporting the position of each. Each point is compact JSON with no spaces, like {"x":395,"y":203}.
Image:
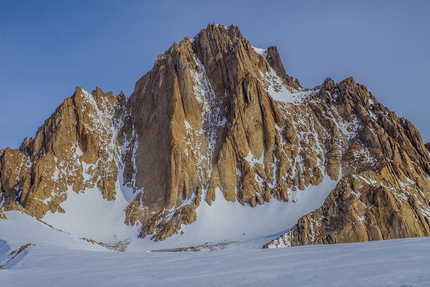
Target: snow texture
{"x":279,"y":91}
{"x":73,"y":262}
{"x":260,"y":51}
{"x":230,"y":223}
{"x":91,"y":216}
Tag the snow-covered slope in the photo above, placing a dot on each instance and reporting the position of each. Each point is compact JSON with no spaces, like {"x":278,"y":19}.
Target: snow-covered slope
{"x":232,"y":225}
{"x":20,"y":229}
{"x":21,"y":233}
{"x":89,"y":215}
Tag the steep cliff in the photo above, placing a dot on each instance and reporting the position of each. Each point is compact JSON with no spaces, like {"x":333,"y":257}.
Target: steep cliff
{"x":384,"y":193}
{"x":217,"y":116}
{"x":75,"y":149}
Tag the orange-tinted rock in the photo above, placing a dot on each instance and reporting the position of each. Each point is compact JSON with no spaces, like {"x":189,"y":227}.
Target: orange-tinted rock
{"x":214,"y":113}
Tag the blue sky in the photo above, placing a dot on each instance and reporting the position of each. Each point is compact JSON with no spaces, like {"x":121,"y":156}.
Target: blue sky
{"x":47,"y":48}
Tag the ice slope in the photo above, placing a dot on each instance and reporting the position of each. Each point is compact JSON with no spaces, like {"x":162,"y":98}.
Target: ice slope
{"x":399,"y":262}
{"x":20,"y":233}
{"x":20,"y":229}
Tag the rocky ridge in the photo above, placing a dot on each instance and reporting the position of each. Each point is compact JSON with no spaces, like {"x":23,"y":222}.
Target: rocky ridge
{"x":387,"y":199}
{"x":216,"y":113}
{"x":75,"y":149}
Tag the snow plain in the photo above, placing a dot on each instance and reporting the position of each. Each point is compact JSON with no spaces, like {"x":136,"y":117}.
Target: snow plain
{"x":57,"y":258}
{"x":400,"y":262}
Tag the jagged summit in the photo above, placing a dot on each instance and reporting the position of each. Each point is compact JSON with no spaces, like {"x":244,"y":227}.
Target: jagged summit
{"x":218,"y":122}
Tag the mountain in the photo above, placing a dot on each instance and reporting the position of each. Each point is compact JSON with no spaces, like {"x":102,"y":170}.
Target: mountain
{"x":218,"y":136}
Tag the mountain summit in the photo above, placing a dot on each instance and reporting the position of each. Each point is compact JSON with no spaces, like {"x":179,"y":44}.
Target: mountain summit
{"x":216,"y":126}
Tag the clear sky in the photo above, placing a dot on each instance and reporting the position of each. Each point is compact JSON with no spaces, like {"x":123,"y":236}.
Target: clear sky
{"x":49,"y":47}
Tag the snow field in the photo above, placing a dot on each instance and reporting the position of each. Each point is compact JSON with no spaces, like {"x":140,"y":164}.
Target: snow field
{"x":399,"y":262}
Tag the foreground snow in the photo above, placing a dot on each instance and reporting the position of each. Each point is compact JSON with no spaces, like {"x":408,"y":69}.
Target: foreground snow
{"x":34,"y":254}
{"x":401,"y":262}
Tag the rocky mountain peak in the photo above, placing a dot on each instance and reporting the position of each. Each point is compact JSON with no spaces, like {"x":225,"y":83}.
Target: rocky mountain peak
{"x":74,"y":149}
{"x":217,"y":119}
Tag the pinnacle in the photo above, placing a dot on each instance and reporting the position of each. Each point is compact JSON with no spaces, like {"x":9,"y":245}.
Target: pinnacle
{"x":212,"y":26}
{"x":218,"y":30}
{"x":349,"y":80}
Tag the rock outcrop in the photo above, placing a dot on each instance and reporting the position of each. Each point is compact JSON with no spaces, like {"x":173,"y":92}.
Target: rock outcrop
{"x":216,"y":113}
{"x":75,"y":149}
{"x":204,"y":119}
{"x":384,"y":192}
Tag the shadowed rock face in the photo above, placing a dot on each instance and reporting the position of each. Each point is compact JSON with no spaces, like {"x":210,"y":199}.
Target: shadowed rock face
{"x":216,"y":113}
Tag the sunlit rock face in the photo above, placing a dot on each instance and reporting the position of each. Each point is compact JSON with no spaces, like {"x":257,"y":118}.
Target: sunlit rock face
{"x":216,"y":113}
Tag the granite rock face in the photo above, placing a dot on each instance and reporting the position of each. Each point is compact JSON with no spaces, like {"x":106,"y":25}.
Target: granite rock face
{"x":217,"y":114}
{"x":384,"y":191}
{"x":75,"y":149}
